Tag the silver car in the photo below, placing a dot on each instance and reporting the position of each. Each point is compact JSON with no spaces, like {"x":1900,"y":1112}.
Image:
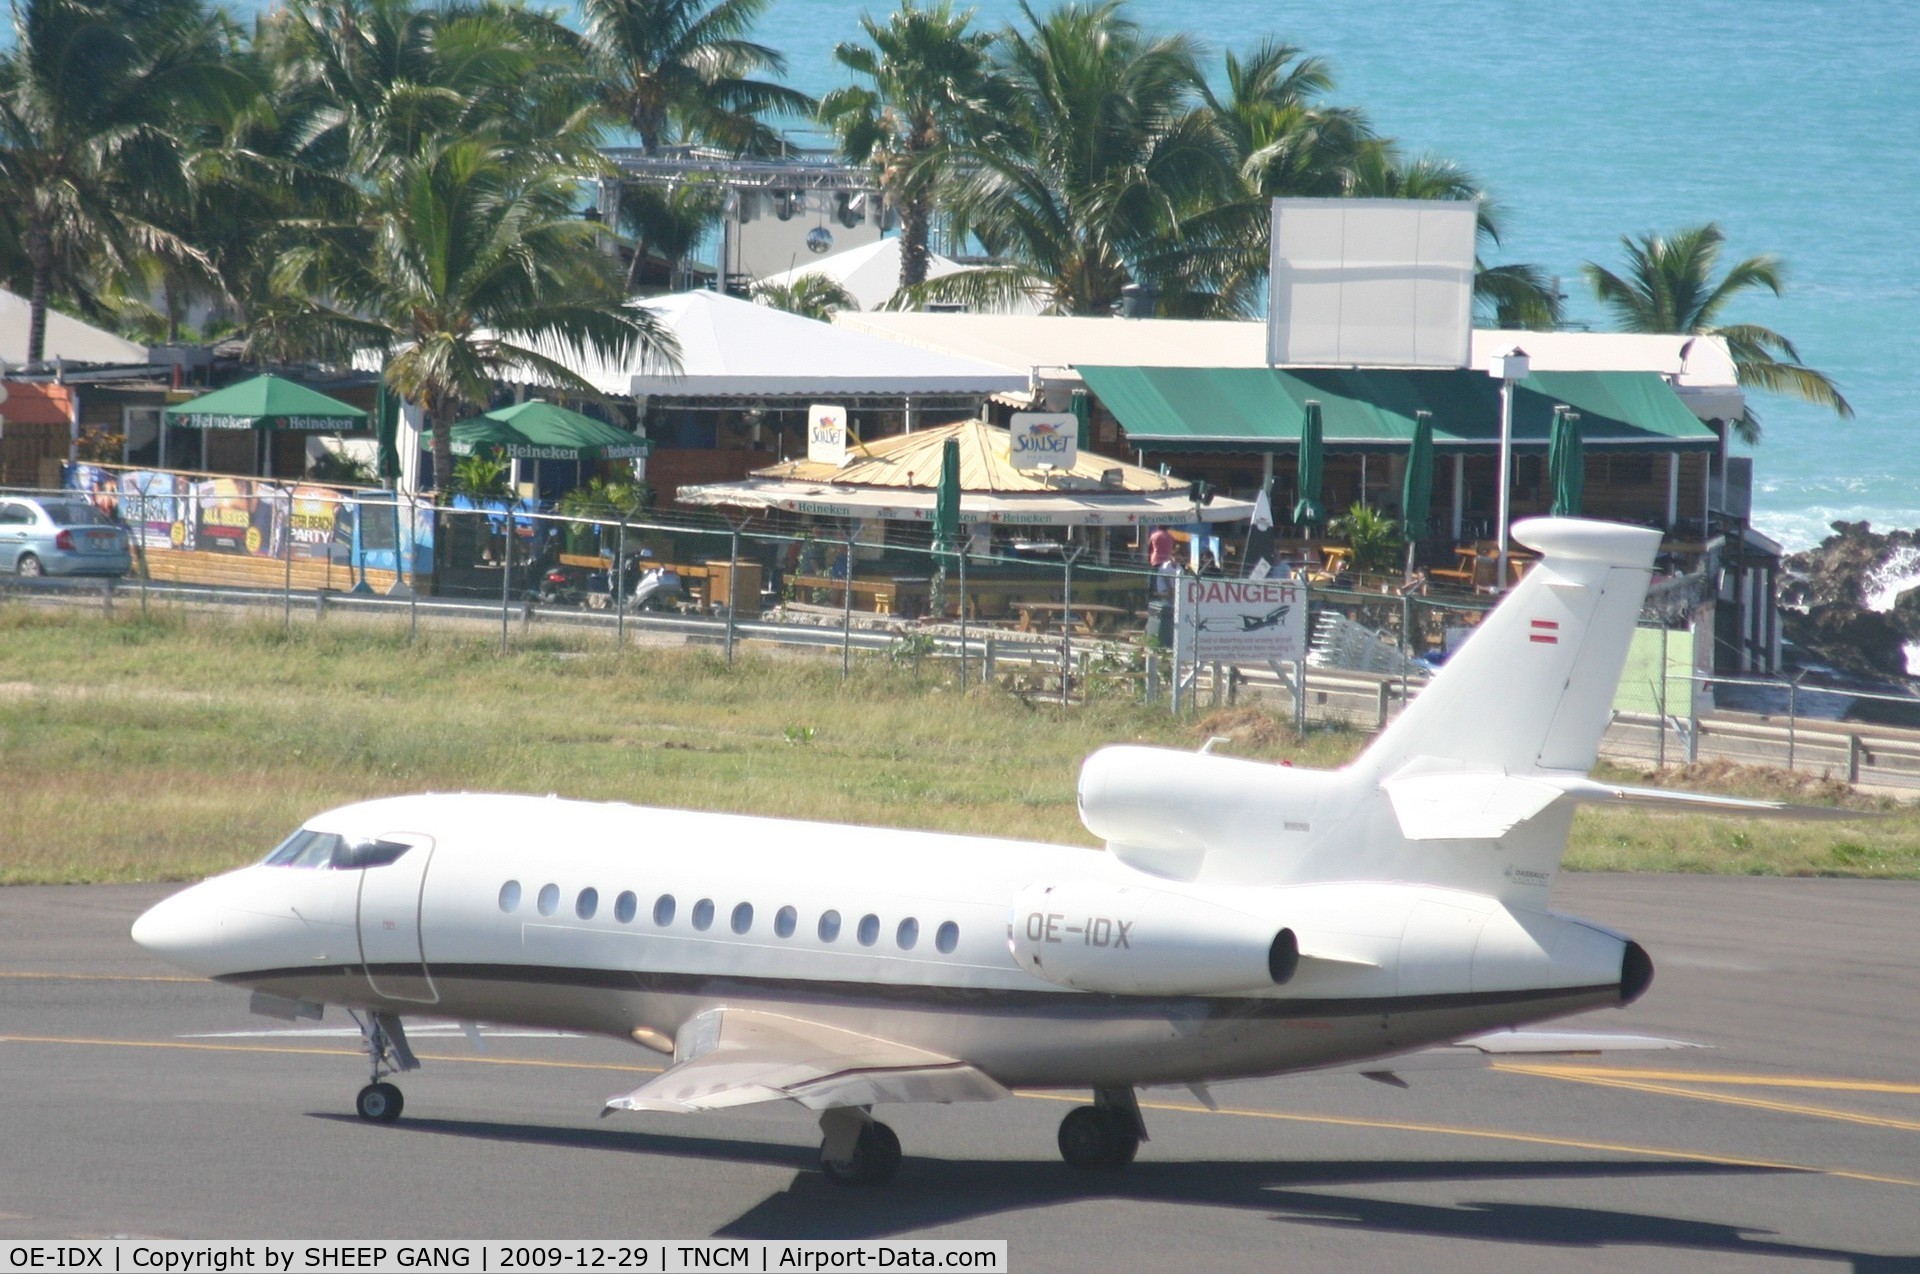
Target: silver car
{"x":56,"y":535}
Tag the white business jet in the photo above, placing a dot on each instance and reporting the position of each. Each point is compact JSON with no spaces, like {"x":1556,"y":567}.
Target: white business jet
{"x":1245,"y":919}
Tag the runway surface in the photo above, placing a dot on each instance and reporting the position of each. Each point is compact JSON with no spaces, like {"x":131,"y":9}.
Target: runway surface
{"x":140,"y":1103}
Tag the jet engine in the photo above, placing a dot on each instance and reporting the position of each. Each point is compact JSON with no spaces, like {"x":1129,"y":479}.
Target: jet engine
{"x":1126,"y":940}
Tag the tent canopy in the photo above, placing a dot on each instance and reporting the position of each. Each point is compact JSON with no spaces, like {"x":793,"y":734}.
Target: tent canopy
{"x":268,"y":402}
{"x":540,"y":430}
{"x":735,"y":348}
{"x":898,"y":479}
{"x":1261,"y":409}
{"x":67,"y":337}
{"x":870,"y":273}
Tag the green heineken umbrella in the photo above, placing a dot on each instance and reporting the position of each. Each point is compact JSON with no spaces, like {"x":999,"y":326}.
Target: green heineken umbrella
{"x":946,"y":500}
{"x":1313,"y":467}
{"x":538,"y":430}
{"x":1416,"y":486}
{"x":267,"y":402}
{"x":1566,"y":466}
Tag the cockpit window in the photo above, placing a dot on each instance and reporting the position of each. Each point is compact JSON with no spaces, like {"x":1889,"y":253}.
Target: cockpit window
{"x":305,"y":848}
{"x":367,"y":853}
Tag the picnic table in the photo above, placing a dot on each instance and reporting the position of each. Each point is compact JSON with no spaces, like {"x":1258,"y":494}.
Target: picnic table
{"x":1085,"y":618}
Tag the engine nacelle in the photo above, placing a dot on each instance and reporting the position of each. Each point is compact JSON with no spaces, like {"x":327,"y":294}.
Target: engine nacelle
{"x":1167,"y":812}
{"x":1126,"y":940}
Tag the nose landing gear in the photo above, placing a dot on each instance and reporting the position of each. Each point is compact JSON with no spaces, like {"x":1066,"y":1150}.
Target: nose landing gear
{"x":385,"y":1041}
{"x":1106,"y":1134}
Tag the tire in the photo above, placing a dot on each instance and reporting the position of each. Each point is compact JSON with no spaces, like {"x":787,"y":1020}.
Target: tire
{"x":1093,"y":1138}
{"x":876,"y":1158}
{"x":379,"y":1103}
{"x":29,"y":566}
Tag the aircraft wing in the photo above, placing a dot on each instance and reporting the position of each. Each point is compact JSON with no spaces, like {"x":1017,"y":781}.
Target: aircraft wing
{"x":734,"y":1057}
{"x":1486,"y":805}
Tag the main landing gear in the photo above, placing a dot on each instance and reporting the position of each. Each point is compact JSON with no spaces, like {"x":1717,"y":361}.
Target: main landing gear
{"x":385,"y":1040}
{"x":856,"y":1149}
{"x":1106,"y":1134}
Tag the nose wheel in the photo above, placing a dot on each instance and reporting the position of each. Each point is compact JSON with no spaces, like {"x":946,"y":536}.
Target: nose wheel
{"x":1105,"y":1135}
{"x":385,"y":1041}
{"x":379,"y":1103}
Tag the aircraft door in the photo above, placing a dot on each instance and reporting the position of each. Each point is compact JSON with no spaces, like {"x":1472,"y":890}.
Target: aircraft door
{"x":393,"y":875}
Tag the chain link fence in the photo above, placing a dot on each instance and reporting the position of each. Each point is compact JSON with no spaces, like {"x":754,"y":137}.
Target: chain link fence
{"x":1048,"y":620}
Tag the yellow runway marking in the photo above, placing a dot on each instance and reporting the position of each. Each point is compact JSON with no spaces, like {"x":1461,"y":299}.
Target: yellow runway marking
{"x":1523,"y":1138}
{"x":95,"y":977}
{"x":1554,"y":1071}
{"x":195,"y":1046}
{"x":1335,"y":1121}
{"x":1752,"y":1103}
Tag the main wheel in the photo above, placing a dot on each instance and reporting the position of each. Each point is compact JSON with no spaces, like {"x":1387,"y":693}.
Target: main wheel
{"x":380,"y":1103}
{"x":1093,"y":1137}
{"x":29,"y":566}
{"x":876,"y":1158}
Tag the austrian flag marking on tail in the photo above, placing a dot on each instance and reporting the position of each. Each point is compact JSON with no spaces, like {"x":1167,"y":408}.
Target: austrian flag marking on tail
{"x":1546,"y":631}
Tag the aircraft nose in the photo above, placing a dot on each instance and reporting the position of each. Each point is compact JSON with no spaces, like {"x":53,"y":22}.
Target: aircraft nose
{"x":184,"y":930}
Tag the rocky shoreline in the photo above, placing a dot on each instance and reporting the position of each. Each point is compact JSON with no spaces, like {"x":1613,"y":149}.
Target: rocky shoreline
{"x":1853,"y":603}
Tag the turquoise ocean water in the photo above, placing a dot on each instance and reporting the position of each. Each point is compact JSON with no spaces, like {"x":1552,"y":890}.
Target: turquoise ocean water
{"x":1793,"y":123}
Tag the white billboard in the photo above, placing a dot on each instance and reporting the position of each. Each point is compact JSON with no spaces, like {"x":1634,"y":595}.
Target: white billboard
{"x":1371,"y":283}
{"x":1239,"y":621}
{"x":1043,"y":439}
{"x":827,"y":434}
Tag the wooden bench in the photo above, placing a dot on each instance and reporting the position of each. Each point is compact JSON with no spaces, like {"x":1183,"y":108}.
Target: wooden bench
{"x":1085,"y":618}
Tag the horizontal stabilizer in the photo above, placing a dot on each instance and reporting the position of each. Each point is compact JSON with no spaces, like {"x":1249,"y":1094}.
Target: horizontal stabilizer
{"x":747,"y":1057}
{"x":1539,"y":1043}
{"x":1659,"y":798}
{"x":1471,"y":806}
{"x":1486,"y":806}
{"x":1476,"y":1051}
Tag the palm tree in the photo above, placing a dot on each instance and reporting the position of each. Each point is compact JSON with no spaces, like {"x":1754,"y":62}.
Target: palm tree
{"x":929,"y":88}
{"x":813,"y":296}
{"x":472,"y":266}
{"x":97,"y":100}
{"x":1670,"y":287}
{"x":678,"y":71}
{"x":1285,"y":141}
{"x":1088,"y":185}
{"x":683,"y":70}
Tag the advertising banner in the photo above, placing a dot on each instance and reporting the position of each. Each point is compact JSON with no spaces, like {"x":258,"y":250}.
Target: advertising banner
{"x":827,"y":434}
{"x":1043,"y":439}
{"x":1239,"y":621}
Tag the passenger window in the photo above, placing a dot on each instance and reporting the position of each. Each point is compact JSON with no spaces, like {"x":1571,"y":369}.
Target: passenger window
{"x":703,"y":914}
{"x":587,"y":903}
{"x":625,"y":906}
{"x":869,"y":931}
{"x":549,"y":900}
{"x":829,"y":925}
{"x":743,"y":917}
{"x":663,"y":910}
{"x":510,"y":895}
{"x":784,"y":921}
{"x":947,"y":938}
{"x":907,"y":934}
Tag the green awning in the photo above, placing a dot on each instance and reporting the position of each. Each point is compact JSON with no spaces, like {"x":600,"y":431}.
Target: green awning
{"x":267,"y":402}
{"x":1260,"y":409}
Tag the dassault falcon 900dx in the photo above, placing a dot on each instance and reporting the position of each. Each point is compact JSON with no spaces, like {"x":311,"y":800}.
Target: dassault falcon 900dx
{"x":1245,"y":918}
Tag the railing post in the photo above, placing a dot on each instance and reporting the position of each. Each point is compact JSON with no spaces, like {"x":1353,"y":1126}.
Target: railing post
{"x":1853,"y":758}
{"x":620,"y":587}
{"x":846,"y":614}
{"x":1384,"y":706}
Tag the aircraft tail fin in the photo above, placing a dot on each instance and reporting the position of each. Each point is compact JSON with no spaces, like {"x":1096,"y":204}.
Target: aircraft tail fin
{"x":1533,"y":688}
